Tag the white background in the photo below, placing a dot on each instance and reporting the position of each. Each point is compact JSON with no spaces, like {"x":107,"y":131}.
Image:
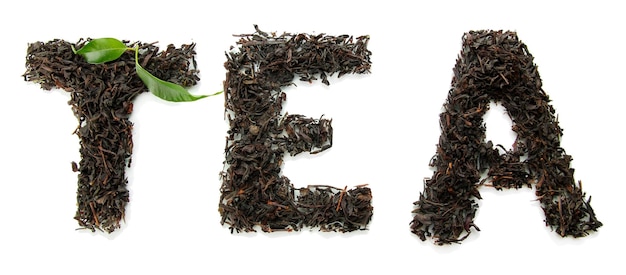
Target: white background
{"x":386,"y":131}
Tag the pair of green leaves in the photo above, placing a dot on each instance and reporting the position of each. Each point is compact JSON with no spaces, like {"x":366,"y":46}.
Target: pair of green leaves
{"x":102,"y":50}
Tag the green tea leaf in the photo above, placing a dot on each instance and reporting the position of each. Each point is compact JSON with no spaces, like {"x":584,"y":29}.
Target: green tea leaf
{"x":102,"y":50}
{"x":163,"y":89}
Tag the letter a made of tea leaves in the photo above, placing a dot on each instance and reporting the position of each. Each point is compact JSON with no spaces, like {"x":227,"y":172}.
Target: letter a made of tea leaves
{"x":102,"y":50}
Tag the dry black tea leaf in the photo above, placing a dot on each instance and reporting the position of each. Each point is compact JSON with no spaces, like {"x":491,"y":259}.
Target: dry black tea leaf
{"x":102,"y":100}
{"x":254,"y":192}
{"x":497,"y":66}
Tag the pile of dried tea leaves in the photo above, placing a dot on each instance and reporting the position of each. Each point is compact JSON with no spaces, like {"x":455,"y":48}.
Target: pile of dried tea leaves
{"x":496,"y":66}
{"x":101,"y":99}
{"x":253,"y":192}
